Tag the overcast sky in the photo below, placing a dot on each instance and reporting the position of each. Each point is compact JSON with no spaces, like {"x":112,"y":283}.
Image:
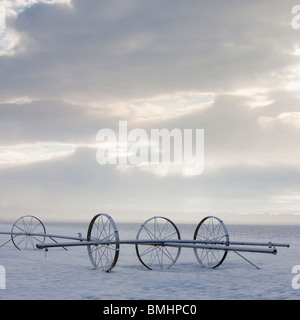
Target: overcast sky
{"x":72,"y":67}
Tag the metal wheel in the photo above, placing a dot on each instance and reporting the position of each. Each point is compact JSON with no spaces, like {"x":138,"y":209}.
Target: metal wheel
{"x":157,"y":256}
{"x":212,"y":230}
{"x":26,"y":232}
{"x":103,"y":256}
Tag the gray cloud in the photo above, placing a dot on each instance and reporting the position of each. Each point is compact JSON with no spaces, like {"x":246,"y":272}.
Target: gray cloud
{"x":52,"y":120}
{"x":104,"y":50}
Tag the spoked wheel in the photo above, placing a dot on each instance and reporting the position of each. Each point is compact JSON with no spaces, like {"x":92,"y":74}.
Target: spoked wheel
{"x":103,"y":256}
{"x":211,"y":230}
{"x":26,"y":232}
{"x":157,"y":256}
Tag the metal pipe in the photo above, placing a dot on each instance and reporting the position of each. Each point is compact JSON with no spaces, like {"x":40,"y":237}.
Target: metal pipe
{"x":44,"y":235}
{"x":267,"y":244}
{"x":159,"y":242}
{"x":67,"y":244}
{"x":242,"y":243}
{"x":99,"y":242}
{"x":227,"y":248}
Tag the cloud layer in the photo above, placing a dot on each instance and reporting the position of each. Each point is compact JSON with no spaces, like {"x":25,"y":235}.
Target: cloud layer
{"x":73,"y":68}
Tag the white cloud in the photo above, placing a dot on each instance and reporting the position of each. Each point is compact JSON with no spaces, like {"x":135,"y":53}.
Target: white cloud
{"x":286,"y":118}
{"x":290,"y":118}
{"x":19,"y":155}
{"x":293,"y":86}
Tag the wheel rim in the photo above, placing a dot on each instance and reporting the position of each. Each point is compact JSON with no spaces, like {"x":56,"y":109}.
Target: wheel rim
{"x":28,"y":227}
{"x":212,"y":230}
{"x":157,"y":256}
{"x":103,"y":256}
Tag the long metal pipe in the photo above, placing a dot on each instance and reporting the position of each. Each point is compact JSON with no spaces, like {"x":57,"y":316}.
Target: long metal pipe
{"x":159,"y":243}
{"x":267,"y":244}
{"x":226,"y":248}
{"x":196,"y":244}
{"x":241,"y":243}
{"x":44,"y":235}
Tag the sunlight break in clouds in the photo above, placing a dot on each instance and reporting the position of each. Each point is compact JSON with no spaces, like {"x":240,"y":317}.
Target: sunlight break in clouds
{"x":286,"y":118}
{"x":32,"y":153}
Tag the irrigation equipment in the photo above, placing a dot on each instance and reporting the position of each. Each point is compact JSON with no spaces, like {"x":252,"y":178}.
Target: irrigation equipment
{"x":158,"y":242}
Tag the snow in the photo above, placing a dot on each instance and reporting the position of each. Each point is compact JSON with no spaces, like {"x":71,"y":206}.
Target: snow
{"x":69,"y":274}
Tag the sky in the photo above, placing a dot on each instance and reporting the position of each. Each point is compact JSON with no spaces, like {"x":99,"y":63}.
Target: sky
{"x":70,"y":68}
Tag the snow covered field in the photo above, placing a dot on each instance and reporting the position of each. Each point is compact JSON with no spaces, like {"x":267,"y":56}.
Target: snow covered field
{"x":69,"y":274}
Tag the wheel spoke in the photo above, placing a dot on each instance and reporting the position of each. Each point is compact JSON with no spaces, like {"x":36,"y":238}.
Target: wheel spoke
{"x":103,"y":229}
{"x":157,"y":256}
{"x":25,"y":226}
{"x":211,"y":230}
